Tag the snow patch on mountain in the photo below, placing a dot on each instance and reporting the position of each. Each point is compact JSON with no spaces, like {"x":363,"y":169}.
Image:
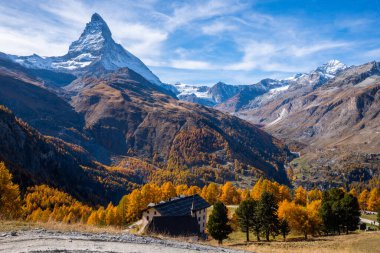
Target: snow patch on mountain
{"x":187,"y":89}
{"x":280,"y":117}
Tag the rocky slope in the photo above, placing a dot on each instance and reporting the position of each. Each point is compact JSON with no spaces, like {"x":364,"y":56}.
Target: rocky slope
{"x":330,"y":115}
{"x":37,"y":159}
{"x":336,"y":123}
{"x":128,"y":115}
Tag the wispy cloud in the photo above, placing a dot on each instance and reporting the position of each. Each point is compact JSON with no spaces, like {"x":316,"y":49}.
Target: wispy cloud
{"x":201,"y":41}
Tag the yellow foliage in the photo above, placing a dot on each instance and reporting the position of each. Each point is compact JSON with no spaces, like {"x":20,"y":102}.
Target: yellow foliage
{"x":296,"y":216}
{"x":193,"y":190}
{"x":244,"y":194}
{"x":284,"y":193}
{"x":43,"y":203}
{"x":314,"y":194}
{"x":314,"y":218}
{"x":212,"y":193}
{"x":373,"y":203}
{"x":135,"y":205}
{"x":150,"y":193}
{"x":181,"y":189}
{"x":168,"y":191}
{"x":229,"y":195}
{"x":10,"y":202}
{"x":265,"y":185}
{"x":300,"y":196}
{"x":363,"y":198}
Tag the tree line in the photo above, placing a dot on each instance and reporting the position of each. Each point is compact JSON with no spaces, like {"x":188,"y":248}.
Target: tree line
{"x":267,"y":209}
{"x":333,"y":211}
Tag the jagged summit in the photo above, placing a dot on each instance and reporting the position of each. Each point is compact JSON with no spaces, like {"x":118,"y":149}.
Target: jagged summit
{"x":94,"y":49}
{"x":97,"y":18}
{"x":332,"y":67}
{"x":94,"y":36}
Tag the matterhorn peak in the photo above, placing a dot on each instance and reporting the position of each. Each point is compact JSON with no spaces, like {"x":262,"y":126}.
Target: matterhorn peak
{"x":94,"y":37}
{"x":94,"y":49}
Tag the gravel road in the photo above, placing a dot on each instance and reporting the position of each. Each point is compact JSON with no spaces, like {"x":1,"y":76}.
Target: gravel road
{"x":48,"y":241}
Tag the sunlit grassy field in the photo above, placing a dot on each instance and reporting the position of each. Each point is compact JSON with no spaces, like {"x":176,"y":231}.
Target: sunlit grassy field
{"x":370,"y":216}
{"x":361,"y":242}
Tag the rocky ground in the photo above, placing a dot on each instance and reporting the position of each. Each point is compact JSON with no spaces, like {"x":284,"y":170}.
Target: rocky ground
{"x":40,"y":240}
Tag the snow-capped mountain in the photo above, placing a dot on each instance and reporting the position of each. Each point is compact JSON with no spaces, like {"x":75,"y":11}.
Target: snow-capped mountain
{"x":332,"y":68}
{"x":95,"y":48}
{"x":232,"y":98}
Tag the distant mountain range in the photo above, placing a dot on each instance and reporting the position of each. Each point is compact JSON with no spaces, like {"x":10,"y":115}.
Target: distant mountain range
{"x":221,"y":93}
{"x":330,"y":115}
{"x":103,"y":104}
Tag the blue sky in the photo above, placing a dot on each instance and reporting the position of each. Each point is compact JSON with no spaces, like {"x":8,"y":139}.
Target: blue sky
{"x":205,"y":41}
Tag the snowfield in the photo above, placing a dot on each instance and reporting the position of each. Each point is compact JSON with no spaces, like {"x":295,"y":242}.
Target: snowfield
{"x":41,"y":240}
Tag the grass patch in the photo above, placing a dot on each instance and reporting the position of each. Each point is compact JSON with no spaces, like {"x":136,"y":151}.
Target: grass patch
{"x":6,"y":226}
{"x":372,"y":217}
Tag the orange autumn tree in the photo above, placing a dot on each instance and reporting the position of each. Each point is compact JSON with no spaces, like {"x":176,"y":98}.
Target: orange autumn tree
{"x":284,"y":193}
{"x":135,"y":205}
{"x":265,"y":185}
{"x":181,"y":189}
{"x":363,"y":198}
{"x":300,"y":196}
{"x":150,"y":193}
{"x":313,"y":213}
{"x":43,"y":203}
{"x":296,"y":216}
{"x":168,"y":191}
{"x":193,"y":190}
{"x":10,"y":202}
{"x":211,"y":193}
{"x":314,"y":194}
{"x":373,"y":203}
{"x":229,"y":194}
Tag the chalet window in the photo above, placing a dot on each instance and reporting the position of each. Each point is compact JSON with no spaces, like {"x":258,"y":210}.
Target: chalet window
{"x":203,"y":224}
{"x":204,"y":217}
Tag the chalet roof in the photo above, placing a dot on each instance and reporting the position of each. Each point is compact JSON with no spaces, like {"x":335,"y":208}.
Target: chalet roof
{"x":168,"y":225}
{"x":181,"y":206}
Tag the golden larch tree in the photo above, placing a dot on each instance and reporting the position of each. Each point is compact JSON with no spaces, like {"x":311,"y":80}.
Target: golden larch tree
{"x":10,"y":202}
{"x":300,"y":196}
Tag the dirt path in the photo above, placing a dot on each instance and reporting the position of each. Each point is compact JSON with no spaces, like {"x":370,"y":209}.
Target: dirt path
{"x":48,"y":241}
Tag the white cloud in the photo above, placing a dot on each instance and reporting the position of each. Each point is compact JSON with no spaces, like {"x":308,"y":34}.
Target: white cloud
{"x":311,"y":49}
{"x":374,"y":54}
{"x":218,"y":27}
{"x":185,"y":14}
{"x":141,"y":40}
{"x":190,"y":64}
